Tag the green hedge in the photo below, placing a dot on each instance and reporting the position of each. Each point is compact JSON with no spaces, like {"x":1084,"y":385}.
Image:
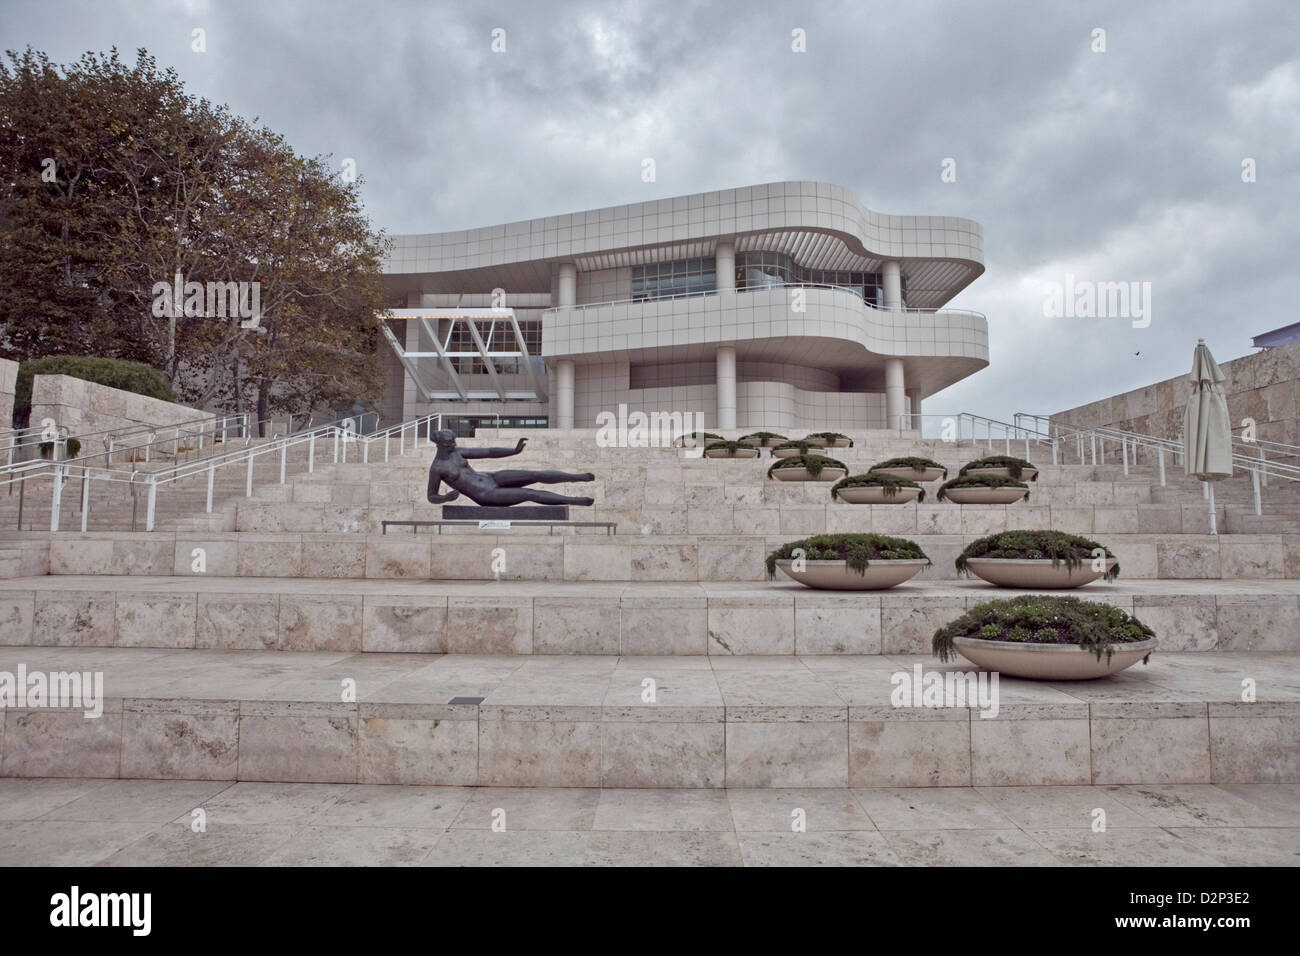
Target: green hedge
{"x":115,"y":373}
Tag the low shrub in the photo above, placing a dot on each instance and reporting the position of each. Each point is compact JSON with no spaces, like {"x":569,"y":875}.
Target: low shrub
{"x":814,"y":464}
{"x":1033,"y":619}
{"x":979,"y":481}
{"x":916,"y":464}
{"x":830,"y":437}
{"x":1014,"y":466}
{"x":72,"y":448}
{"x":696,"y":439}
{"x":858,"y":550}
{"x":890,"y":484}
{"x":1068,"y":549}
{"x":730,"y":447}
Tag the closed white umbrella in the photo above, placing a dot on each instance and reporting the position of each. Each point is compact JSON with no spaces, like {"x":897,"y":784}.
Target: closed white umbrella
{"x":1207,"y":432}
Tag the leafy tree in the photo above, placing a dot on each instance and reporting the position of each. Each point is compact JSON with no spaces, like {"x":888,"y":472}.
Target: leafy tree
{"x":113,"y":179}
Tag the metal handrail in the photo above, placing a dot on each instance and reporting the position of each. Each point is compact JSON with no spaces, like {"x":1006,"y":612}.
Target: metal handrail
{"x":765,"y":288}
{"x":342,"y":437}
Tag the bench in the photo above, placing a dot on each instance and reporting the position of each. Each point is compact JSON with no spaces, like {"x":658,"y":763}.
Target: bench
{"x":611,"y":527}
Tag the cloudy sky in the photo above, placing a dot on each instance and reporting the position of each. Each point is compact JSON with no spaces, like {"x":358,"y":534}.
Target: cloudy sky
{"x":1117,"y":166}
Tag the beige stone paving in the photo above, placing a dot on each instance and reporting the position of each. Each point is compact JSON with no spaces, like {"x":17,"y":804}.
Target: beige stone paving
{"x":77,"y":822}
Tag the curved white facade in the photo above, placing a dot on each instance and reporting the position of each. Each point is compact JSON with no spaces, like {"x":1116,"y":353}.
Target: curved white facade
{"x":688,"y":304}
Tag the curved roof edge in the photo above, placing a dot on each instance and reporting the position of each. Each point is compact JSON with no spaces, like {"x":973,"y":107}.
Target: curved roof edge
{"x":780,"y":206}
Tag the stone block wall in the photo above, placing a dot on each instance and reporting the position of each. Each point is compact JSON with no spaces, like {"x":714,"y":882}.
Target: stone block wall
{"x":8,"y":382}
{"x":84,"y":407}
{"x":1263,"y":386}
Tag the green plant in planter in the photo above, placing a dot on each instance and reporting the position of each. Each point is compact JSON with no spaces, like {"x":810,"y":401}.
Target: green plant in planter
{"x":1014,"y":466}
{"x":814,"y":464}
{"x":72,"y":448}
{"x":1033,"y":619}
{"x":857,"y":550}
{"x":763,"y":439}
{"x":831,"y":437}
{"x":916,"y":464}
{"x":696,"y":438}
{"x":1068,"y":549}
{"x":979,"y":481}
{"x":730,"y":447}
{"x":890,"y":484}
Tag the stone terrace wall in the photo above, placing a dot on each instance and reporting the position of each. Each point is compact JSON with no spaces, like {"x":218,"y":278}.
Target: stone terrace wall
{"x":86,"y":407}
{"x":8,"y":382}
{"x":1262,"y":386}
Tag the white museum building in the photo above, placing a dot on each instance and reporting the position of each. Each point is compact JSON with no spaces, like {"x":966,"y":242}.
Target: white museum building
{"x":782,"y":306}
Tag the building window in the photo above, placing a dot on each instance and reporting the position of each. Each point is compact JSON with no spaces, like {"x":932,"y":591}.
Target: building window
{"x":668,"y":280}
{"x":764,"y":270}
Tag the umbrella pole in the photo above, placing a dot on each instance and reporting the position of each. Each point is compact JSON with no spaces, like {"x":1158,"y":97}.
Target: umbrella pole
{"x":1214,"y":527}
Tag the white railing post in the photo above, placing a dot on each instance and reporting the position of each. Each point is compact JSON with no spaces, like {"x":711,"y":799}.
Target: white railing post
{"x":386,"y":437}
{"x":401,"y":450}
{"x":1264,"y":476}
{"x":58,"y":494}
{"x":284,"y":451}
{"x":365,"y":452}
{"x":248,"y":490}
{"x":1093,"y":436}
{"x":176,"y":443}
{"x":85,"y":498}
{"x":110,"y":451}
{"x":1123,"y":444}
{"x":1254,"y":475}
{"x":311,"y":453}
{"x":152,"y":505}
{"x":1162,"y":466}
{"x":200,"y":438}
{"x":212,"y":473}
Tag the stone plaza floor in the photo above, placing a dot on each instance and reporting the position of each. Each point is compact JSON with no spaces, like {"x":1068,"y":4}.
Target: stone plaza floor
{"x":85,"y":822}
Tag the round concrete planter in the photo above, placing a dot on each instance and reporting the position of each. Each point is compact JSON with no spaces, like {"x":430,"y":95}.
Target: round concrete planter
{"x":740,"y":453}
{"x":801,"y":474}
{"x":927,"y":474}
{"x":1026,"y":474}
{"x":790,"y":452}
{"x":875,"y":495}
{"x":838,"y":576}
{"x":823,"y":443}
{"x":1034,"y":573}
{"x":985,"y":496}
{"x":1050,"y":661}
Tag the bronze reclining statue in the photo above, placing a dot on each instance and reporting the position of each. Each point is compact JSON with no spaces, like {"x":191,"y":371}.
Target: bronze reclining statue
{"x":501,"y":488}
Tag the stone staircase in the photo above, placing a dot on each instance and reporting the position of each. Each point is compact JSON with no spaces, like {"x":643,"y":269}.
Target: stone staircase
{"x":312,"y":648}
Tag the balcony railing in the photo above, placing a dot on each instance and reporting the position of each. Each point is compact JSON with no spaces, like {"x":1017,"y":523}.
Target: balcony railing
{"x":766,"y":288}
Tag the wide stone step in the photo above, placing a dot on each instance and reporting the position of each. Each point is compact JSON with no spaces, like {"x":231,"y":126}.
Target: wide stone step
{"x":593,"y":619}
{"x":812,"y":722}
{"x":531,"y":554}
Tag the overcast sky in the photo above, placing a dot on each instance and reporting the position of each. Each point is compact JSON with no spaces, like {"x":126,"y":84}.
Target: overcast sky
{"x":1115,"y":166}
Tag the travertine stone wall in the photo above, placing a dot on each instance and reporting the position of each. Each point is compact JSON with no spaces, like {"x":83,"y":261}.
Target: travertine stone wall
{"x":8,"y":381}
{"x":85,"y":407}
{"x":1262,"y":386}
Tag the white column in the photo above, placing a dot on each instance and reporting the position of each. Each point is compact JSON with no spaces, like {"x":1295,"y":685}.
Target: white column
{"x":895,"y":394}
{"x":891,"y":281}
{"x":914,"y":407}
{"x":726,"y":386}
{"x":563,"y":394}
{"x":725,"y":260}
{"x":567,"y":291}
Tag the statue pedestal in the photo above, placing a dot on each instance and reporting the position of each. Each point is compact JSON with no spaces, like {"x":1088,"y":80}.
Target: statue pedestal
{"x":512,"y":513}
